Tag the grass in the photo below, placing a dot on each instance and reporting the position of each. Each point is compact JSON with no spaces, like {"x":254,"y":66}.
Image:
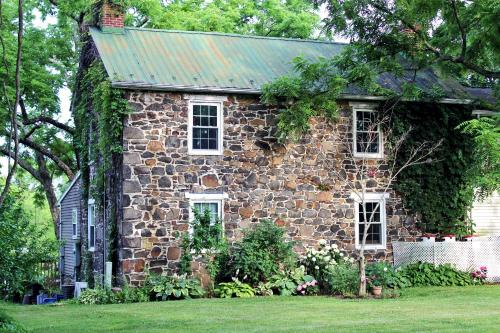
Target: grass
{"x":454,"y":309}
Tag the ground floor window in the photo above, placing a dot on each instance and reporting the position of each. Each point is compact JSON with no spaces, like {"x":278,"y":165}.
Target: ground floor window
{"x":370,"y":217}
{"x":211,"y":202}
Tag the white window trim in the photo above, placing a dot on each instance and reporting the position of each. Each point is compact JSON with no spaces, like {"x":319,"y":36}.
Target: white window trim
{"x":371,"y":197}
{"x":365,"y":107}
{"x":206,"y":198}
{"x":220,"y":125}
{"x":91,"y":203}
{"x":74,"y":211}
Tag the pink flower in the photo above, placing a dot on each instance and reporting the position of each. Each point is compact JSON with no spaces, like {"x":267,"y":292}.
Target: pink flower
{"x":483,"y":268}
{"x":313,"y":283}
{"x":299,"y":288}
{"x":303,"y":292}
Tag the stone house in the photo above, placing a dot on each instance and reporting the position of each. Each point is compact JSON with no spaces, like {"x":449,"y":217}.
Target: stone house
{"x":199,"y":136}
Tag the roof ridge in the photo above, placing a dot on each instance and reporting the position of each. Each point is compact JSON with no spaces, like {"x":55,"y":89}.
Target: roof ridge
{"x":236,"y":35}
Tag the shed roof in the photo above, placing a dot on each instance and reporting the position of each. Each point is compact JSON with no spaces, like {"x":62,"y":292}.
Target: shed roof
{"x":140,"y":58}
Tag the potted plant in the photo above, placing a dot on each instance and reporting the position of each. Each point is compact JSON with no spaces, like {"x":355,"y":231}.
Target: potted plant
{"x":376,"y":284}
{"x":469,"y":238}
{"x":428,"y":238}
{"x":449,"y":237}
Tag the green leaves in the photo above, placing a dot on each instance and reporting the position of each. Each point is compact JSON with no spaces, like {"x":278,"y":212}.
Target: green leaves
{"x":310,"y":92}
{"x":234,"y":289}
{"x":174,"y":287}
{"x":425,"y":274}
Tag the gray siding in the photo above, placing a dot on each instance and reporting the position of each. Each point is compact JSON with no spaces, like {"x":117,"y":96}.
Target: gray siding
{"x":71,"y":201}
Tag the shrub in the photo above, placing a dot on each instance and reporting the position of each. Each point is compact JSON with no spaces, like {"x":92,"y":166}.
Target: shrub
{"x":318,"y":262}
{"x":426,"y":274}
{"x":479,"y":275}
{"x":206,"y":241}
{"x":287,"y":283}
{"x":384,"y":274}
{"x":97,"y":296}
{"x":234,"y":289}
{"x":261,"y":254}
{"x":342,"y":279}
{"x":24,"y":245}
{"x":174,"y":287}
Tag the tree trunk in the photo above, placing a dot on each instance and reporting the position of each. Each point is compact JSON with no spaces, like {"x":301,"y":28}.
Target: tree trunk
{"x":362,"y":275}
{"x":50,"y":194}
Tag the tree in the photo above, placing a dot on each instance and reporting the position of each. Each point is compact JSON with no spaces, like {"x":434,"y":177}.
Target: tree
{"x":459,"y":36}
{"x":23,"y":244}
{"x":360,"y":177}
{"x":486,"y":173}
{"x":50,"y":63}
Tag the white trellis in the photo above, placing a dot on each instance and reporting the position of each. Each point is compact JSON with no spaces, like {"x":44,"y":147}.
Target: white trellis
{"x":467,"y":256}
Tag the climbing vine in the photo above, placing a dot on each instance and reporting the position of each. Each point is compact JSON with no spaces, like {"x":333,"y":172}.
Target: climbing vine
{"x":99,"y":116}
{"x":441,"y":192}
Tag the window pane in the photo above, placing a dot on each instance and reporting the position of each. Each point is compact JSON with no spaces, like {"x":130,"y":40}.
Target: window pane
{"x":74,"y":229}
{"x":374,"y":235}
{"x":92,"y":236}
{"x":211,"y":207}
{"x":367,"y":142}
{"x":204,"y":128}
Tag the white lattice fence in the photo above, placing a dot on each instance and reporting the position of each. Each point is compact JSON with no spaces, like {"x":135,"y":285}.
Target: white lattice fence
{"x":467,"y":256}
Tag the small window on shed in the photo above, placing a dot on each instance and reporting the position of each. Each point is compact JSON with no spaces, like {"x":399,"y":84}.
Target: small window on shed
{"x":74,"y":224}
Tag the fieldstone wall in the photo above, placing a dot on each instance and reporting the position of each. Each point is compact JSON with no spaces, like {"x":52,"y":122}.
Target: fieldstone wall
{"x":292,"y":184}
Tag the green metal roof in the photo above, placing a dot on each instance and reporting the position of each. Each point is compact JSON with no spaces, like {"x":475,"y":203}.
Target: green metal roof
{"x":137,"y":58}
{"x":200,"y":61}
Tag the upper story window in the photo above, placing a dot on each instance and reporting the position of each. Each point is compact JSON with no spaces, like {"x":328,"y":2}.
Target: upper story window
{"x":205,"y":130}
{"x":367,"y":133}
{"x":74,"y":224}
{"x":374,"y":221}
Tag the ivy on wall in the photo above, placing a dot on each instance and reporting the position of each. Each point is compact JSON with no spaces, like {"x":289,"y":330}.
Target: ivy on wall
{"x":99,"y":115}
{"x":442,"y":191}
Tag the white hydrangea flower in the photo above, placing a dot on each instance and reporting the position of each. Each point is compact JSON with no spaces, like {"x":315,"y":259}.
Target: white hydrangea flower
{"x":385,"y":269}
{"x":327,"y":258}
{"x":316,"y":267}
{"x":313,"y":259}
{"x":335,"y":246}
{"x":309,"y":255}
{"x":351,"y":260}
{"x":322,"y":242}
{"x":341,"y":254}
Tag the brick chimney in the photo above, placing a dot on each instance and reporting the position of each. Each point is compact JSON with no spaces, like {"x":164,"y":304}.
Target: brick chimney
{"x":112,"y":16}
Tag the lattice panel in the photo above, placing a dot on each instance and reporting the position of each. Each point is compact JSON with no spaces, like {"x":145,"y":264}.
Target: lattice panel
{"x":467,"y":256}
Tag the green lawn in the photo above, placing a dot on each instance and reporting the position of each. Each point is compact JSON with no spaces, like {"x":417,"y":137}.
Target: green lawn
{"x":464,"y":309}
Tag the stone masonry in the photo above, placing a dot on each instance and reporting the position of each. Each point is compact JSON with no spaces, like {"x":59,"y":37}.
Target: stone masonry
{"x":291,"y":184}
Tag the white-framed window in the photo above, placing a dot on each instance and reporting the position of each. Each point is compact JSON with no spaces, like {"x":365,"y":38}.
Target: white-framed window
{"x":375,"y":217}
{"x":367,"y":132}
{"x":213,"y":202}
{"x":75,"y":230}
{"x":205,"y":128}
{"x":91,"y":225}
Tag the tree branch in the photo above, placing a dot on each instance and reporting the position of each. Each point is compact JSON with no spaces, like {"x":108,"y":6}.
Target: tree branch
{"x":23,"y":164}
{"x":46,"y":152}
{"x":460,"y":27}
{"x":14,"y":130}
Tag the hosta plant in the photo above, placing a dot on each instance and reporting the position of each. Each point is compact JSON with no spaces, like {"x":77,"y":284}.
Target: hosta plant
{"x":234,"y":289}
{"x":175,"y":287}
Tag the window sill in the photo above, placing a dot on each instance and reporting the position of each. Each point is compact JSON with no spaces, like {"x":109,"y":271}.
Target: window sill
{"x":372,"y":247}
{"x":205,"y":152}
{"x":369,"y":156}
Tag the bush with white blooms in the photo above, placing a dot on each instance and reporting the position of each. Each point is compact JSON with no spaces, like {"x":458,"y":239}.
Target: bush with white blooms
{"x":318,"y":262}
